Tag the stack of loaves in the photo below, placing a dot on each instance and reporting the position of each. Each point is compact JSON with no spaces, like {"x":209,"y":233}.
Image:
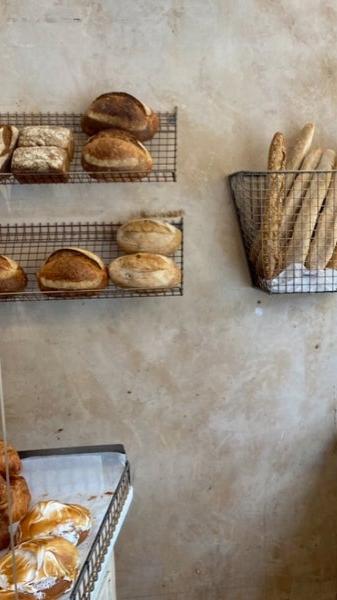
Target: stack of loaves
{"x":46,"y":539}
{"x":299,"y":217}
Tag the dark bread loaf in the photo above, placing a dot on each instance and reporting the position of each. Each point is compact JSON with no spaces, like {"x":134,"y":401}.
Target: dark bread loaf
{"x":40,"y":164}
{"x":72,"y":269}
{"x":47,"y":135}
{"x":122,"y":111}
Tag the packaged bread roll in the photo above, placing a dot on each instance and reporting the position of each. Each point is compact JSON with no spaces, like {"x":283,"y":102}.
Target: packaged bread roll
{"x":148,"y":235}
{"x":72,"y":269}
{"x":121,"y":111}
{"x":12,"y":276}
{"x":144,"y":271}
{"x":115,"y":151}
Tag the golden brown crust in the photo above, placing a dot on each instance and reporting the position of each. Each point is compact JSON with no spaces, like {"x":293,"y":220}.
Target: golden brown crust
{"x":13,"y":459}
{"x":72,"y":269}
{"x":115,"y":151}
{"x":123,"y":111}
{"x":148,"y":235}
{"x":4,"y":530}
{"x":12,"y":276}
{"x":20,"y":497}
{"x":145,"y":271}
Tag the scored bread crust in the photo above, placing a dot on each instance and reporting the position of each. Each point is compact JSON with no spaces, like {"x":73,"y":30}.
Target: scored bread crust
{"x":123,"y":111}
{"x":148,"y":235}
{"x":72,"y":269}
{"x":144,"y":271}
{"x":114,"y":151}
{"x":12,"y":276}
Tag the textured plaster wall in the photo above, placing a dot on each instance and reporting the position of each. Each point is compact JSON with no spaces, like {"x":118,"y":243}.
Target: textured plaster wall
{"x":226,"y":398}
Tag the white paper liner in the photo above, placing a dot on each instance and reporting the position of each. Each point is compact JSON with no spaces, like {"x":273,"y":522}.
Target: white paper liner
{"x":296,"y":278}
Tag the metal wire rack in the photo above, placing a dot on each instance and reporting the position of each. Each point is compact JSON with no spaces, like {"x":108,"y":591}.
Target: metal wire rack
{"x":288,"y":222}
{"x":163,"y":149}
{"x":31,"y":244}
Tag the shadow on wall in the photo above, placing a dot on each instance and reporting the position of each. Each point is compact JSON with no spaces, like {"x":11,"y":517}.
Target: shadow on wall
{"x":303,"y":565}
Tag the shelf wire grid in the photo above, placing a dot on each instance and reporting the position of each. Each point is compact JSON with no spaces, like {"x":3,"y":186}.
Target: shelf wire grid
{"x":288,"y":222}
{"x":162,"y":147}
{"x":31,"y":244}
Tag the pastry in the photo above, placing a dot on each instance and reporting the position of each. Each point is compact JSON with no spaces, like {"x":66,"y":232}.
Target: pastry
{"x":8,"y":139}
{"x":70,"y":521}
{"x":4,"y":530}
{"x":71,"y":269}
{"x":40,"y":164}
{"x":269,"y":243}
{"x":298,"y":152}
{"x":12,"y":276}
{"x":299,"y":243}
{"x":46,"y":567}
{"x":14,"y":462}
{"x":322,"y":245}
{"x":122,"y":111}
{"x":144,"y":271}
{"x":148,"y":235}
{"x":47,"y":135}
{"x":115,"y":151}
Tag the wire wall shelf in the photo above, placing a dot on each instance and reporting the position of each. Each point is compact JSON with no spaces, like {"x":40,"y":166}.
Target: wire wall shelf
{"x":31,"y":244}
{"x":162,"y":147}
{"x":288,"y":222}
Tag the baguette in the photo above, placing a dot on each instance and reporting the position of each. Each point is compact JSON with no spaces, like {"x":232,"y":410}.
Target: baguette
{"x":323,"y":244}
{"x":298,"y":152}
{"x":268,"y":255}
{"x":299,"y":243}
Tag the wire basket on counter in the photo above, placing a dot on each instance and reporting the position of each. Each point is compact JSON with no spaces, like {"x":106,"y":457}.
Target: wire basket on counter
{"x":31,"y":244}
{"x":162,"y":147}
{"x":288,"y":222}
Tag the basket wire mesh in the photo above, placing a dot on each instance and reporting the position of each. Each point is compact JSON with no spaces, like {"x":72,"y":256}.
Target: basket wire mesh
{"x":162,"y":147}
{"x":288,"y":222}
{"x":31,"y":244}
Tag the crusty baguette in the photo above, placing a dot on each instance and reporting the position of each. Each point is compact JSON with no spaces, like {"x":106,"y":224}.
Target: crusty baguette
{"x":322,"y":245}
{"x":299,"y":243}
{"x":267,"y":261}
{"x":298,"y":152}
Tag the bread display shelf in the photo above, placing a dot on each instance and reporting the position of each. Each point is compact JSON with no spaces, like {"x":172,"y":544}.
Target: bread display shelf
{"x":31,"y":244}
{"x":306,"y":236}
{"x":162,"y":147}
{"x":97,"y":477}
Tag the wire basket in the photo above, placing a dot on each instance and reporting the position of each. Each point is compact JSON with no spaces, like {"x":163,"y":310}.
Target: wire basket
{"x":162,"y":147}
{"x":31,"y":244}
{"x":288,"y":222}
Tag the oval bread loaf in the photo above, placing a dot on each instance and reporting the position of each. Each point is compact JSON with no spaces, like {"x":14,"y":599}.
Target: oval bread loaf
{"x":122,"y":111}
{"x":148,"y":235}
{"x":115,"y":151}
{"x":144,"y":271}
{"x":12,"y":276}
{"x":72,"y":269}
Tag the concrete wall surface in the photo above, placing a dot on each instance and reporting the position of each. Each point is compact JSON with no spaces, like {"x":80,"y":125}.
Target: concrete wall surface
{"x":226,"y":398}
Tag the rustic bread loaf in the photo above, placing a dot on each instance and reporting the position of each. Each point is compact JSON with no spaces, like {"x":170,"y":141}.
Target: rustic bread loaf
{"x":40,"y":164}
{"x":47,"y":135}
{"x":20,"y":498}
{"x":144,"y":271}
{"x":148,"y":235}
{"x":12,"y":276}
{"x":8,"y":140}
{"x":14,"y":461}
{"x":115,"y":151}
{"x":122,"y":111}
{"x":72,"y":269}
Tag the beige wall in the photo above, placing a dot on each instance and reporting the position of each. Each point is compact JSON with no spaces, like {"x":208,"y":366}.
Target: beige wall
{"x":227,"y":412}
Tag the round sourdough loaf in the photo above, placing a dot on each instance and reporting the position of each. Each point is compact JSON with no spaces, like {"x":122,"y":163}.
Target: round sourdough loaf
{"x":115,"y":151}
{"x":148,"y":235}
{"x":72,"y":269}
{"x":144,"y":271}
{"x":122,"y":111}
{"x":12,"y":276}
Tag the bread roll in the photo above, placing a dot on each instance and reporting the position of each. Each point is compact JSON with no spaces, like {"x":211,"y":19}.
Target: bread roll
{"x":48,"y":135}
{"x":8,"y":139}
{"x":144,"y":271}
{"x":122,"y":111}
{"x":12,"y":276}
{"x":4,"y":530}
{"x":46,"y":567}
{"x":14,"y":461}
{"x":148,"y":235}
{"x":297,"y":153}
{"x":40,"y":164}
{"x":70,"y":521}
{"x":115,"y":151}
{"x":72,"y":269}
{"x":299,"y":243}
